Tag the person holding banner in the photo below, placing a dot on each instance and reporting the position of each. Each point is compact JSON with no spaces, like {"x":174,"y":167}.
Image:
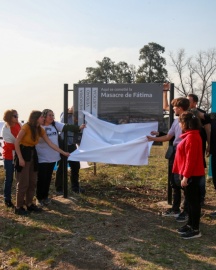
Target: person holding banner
{"x":47,"y":157}
{"x":180,"y":105}
{"x":26,"y":161}
{"x":74,"y":165}
{"x":10,"y":131}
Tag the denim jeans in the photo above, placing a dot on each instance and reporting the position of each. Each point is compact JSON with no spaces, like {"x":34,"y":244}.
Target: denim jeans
{"x":9,"y":172}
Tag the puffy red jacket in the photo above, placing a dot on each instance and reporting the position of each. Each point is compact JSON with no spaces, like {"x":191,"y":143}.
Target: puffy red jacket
{"x":189,"y":155}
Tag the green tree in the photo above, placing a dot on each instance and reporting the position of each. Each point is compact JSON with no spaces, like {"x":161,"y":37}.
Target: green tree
{"x":104,"y":73}
{"x":124,"y":73}
{"x":109,"y":72}
{"x":152,"y":70}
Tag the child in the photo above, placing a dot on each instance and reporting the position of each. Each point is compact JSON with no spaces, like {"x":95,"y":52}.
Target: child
{"x":189,"y":165}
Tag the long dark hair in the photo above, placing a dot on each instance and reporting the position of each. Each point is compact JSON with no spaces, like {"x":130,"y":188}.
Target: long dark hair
{"x":32,"y":122}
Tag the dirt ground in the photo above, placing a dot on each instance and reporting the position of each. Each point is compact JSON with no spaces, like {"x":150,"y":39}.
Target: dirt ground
{"x":110,"y":227}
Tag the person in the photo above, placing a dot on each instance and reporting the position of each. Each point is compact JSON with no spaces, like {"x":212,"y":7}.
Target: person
{"x":189,"y":165}
{"x":213,"y":152}
{"x":74,"y":165}
{"x":26,"y":161}
{"x":180,"y":105}
{"x":205,"y":132}
{"x":10,"y":131}
{"x":47,"y":157}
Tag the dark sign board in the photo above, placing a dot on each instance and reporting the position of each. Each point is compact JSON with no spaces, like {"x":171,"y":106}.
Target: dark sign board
{"x":120,"y":103}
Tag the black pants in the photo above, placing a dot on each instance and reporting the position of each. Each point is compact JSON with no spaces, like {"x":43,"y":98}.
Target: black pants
{"x":74,"y":174}
{"x":192,"y":193}
{"x":45,"y":171}
{"x":176,"y":187}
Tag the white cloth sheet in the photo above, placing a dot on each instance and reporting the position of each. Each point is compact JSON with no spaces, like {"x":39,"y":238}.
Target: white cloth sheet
{"x":114,"y":144}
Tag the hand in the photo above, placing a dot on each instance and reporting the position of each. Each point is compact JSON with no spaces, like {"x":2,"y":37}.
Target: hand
{"x":156,"y":133}
{"x":166,"y":87}
{"x":21,"y":162}
{"x":66,"y":154}
{"x":150,"y":139}
{"x":184,"y":182}
{"x":82,"y":126}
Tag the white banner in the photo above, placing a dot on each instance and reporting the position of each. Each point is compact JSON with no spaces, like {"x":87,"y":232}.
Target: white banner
{"x":114,"y":144}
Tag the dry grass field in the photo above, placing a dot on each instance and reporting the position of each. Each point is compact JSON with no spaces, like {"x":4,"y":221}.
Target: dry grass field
{"x":117,"y":224}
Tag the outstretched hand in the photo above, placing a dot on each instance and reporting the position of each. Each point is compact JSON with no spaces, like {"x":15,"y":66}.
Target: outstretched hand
{"x":82,"y":126}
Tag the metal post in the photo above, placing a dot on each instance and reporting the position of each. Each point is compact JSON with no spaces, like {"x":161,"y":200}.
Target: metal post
{"x":65,"y":170}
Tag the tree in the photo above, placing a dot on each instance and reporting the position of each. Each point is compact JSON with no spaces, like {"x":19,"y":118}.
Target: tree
{"x":104,"y":73}
{"x":195,"y":74}
{"x":152,"y":70}
{"x":124,"y":73}
{"x":109,"y":72}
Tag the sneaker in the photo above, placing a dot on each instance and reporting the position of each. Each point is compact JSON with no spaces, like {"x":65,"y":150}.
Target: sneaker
{"x":213,"y":214}
{"x":34,"y":208}
{"x":40,"y":203}
{"x":59,"y":193}
{"x":184,"y":229}
{"x":191,"y":234}
{"x":9,"y":203}
{"x":47,"y":201}
{"x":182,"y":217}
{"x":21,"y":211}
{"x":170,"y":213}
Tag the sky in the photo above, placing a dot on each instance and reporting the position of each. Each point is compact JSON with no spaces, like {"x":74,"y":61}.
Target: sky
{"x":45,"y":44}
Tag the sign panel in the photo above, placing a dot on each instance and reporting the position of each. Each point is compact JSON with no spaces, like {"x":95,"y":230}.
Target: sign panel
{"x":120,"y":103}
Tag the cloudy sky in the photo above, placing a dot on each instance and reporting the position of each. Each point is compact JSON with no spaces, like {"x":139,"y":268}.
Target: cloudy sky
{"x":46,"y":43}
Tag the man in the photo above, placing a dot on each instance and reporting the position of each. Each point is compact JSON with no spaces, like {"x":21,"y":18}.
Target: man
{"x":74,"y":165}
{"x":180,"y":105}
{"x":205,"y":134}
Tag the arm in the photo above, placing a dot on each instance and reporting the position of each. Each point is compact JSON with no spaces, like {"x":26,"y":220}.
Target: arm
{"x":17,"y":147}
{"x":166,"y":87}
{"x":165,"y":101}
{"x":55,"y":147}
{"x":164,"y":138}
{"x":73,"y":128}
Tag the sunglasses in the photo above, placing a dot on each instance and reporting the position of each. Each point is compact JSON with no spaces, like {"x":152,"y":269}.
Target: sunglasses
{"x":15,"y":115}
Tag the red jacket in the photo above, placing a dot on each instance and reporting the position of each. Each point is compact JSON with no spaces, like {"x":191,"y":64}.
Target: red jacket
{"x":189,"y":155}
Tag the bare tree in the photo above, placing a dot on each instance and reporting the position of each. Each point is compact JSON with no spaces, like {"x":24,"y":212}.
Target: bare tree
{"x":195,"y":74}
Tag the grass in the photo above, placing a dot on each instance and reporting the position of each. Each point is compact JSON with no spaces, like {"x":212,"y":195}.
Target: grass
{"x":117,"y":224}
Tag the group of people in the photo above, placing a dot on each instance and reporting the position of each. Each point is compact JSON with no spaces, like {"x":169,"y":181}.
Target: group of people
{"x":32,"y":150}
{"x":191,"y":143}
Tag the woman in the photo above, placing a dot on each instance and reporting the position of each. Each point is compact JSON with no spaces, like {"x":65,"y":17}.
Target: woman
{"x":10,"y":131}
{"x":189,"y":165}
{"x":47,"y":157}
{"x":27,"y":161}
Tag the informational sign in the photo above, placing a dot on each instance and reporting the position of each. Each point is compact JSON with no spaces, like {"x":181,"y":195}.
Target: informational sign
{"x":120,"y":103}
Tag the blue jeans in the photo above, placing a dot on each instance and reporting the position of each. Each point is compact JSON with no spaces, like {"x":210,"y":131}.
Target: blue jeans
{"x":9,"y":171}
